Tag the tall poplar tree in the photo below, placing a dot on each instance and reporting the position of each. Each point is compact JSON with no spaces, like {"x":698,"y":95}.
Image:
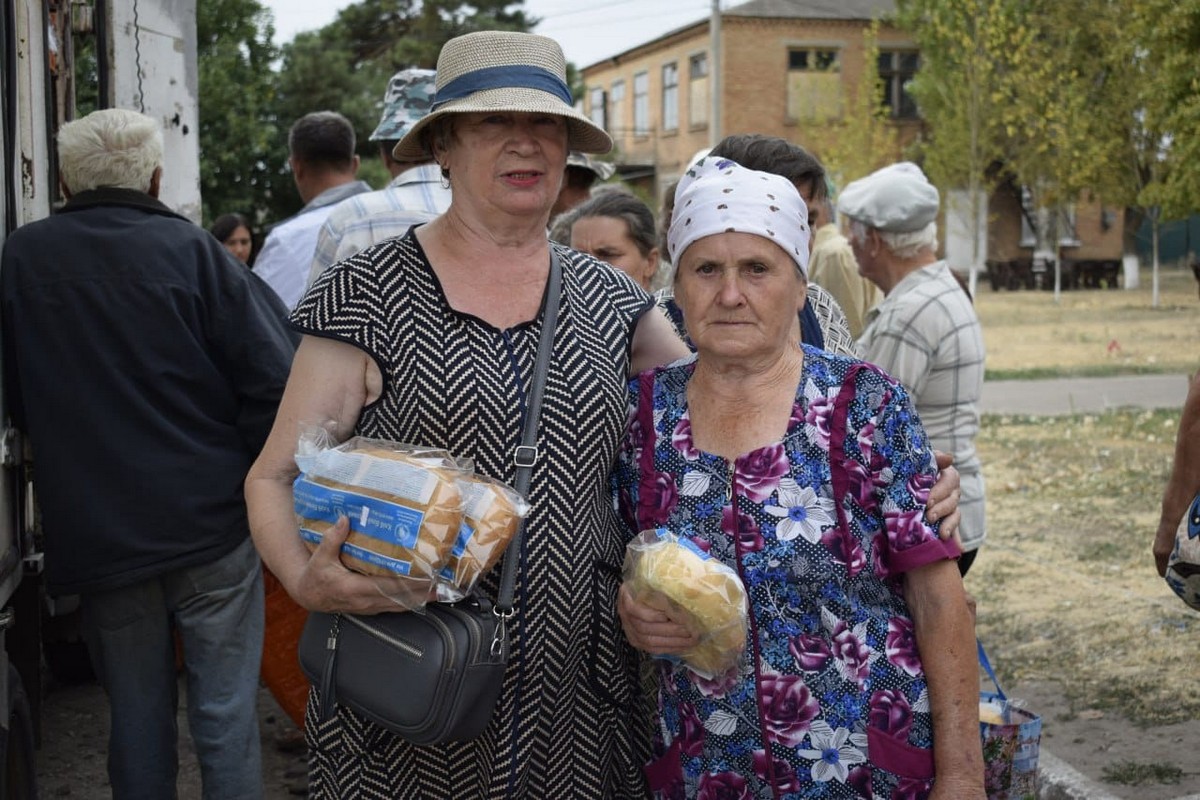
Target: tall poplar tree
{"x":964,"y":49}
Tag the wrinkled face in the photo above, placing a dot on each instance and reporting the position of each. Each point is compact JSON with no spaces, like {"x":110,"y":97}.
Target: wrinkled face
{"x":866,"y":247}
{"x":238,"y":244}
{"x":740,"y":295}
{"x":608,"y":239}
{"x":505,"y":162}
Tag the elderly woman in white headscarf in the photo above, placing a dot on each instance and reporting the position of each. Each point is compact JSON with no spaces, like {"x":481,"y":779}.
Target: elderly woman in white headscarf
{"x":808,"y":473}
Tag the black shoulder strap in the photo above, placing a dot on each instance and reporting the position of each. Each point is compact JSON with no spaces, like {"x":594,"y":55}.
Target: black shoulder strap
{"x":527,"y":453}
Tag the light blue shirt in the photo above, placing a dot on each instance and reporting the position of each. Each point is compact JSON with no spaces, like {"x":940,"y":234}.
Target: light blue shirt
{"x":288,"y":250}
{"x":413,"y":197}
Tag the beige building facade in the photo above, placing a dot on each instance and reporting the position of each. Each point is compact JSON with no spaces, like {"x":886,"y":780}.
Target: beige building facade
{"x":786,"y":70}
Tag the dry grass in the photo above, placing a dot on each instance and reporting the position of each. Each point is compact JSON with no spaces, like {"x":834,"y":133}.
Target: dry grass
{"x":1092,"y":332}
{"x":1066,"y":583}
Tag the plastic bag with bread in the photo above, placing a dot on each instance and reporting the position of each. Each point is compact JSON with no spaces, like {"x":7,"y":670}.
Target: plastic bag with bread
{"x":492,"y":512}
{"x":403,"y":502}
{"x":707,"y":595}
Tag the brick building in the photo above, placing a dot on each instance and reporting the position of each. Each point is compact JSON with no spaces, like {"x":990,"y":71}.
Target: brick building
{"x":787,"y":68}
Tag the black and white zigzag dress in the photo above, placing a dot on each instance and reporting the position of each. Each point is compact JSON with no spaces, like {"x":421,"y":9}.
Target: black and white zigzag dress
{"x":571,"y":722}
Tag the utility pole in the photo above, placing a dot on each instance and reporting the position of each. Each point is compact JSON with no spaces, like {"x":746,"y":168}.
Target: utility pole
{"x":714,"y":81}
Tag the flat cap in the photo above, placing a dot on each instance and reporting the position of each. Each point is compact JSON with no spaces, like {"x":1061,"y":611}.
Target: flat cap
{"x":897,"y":199}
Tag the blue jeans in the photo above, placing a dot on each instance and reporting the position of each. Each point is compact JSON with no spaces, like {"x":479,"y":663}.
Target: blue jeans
{"x":218,"y":611}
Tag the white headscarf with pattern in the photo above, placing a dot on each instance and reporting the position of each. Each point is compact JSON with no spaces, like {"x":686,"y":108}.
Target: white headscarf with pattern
{"x":717,"y":195}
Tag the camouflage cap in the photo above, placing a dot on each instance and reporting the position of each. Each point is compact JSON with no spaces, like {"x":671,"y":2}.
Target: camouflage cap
{"x":409,"y":95}
{"x":602,"y":169}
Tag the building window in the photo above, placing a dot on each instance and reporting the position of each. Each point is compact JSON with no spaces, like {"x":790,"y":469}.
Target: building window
{"x":641,"y":104}
{"x":616,"y":108}
{"x":670,"y":96}
{"x":812,"y":60}
{"x":596,"y":107}
{"x":1067,"y":225}
{"x":896,"y":71}
{"x":814,"y":85}
{"x":698,"y":89}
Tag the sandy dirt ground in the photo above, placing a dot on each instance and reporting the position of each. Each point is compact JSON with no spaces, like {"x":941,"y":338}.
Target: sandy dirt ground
{"x":71,"y":761}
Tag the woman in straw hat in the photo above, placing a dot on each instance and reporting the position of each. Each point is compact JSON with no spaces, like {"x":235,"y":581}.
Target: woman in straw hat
{"x":430,"y":338}
{"x":858,"y":673}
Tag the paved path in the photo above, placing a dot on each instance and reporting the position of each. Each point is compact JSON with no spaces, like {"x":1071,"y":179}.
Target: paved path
{"x":1083,"y":395}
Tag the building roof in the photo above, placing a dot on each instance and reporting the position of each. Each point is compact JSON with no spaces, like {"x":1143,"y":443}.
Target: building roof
{"x":813,"y":9}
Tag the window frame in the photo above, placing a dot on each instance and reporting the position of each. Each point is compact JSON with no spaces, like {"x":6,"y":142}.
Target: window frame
{"x":641,"y":103}
{"x":670,"y":96}
{"x":900,"y":103}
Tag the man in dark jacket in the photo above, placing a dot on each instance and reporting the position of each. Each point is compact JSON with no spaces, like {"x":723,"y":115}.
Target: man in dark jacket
{"x":146,"y":366}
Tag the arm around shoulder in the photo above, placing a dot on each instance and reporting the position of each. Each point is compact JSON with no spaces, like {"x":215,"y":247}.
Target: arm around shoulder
{"x":655,"y":342}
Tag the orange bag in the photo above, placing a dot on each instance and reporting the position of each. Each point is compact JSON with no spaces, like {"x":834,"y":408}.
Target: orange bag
{"x":280,"y":662}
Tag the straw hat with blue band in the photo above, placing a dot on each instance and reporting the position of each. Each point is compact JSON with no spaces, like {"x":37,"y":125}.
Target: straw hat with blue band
{"x":503,"y":71}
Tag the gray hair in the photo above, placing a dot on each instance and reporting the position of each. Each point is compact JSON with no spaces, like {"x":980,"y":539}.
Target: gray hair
{"x":905,"y":244}
{"x":112,"y":147}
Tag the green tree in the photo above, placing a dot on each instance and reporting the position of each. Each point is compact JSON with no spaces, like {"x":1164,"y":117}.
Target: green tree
{"x":1168,"y":149}
{"x":1072,"y":108}
{"x":964,"y":46}
{"x":1169,"y":38}
{"x":240,"y":161}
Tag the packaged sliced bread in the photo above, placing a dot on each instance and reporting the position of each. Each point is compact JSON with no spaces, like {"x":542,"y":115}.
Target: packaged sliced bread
{"x":403,"y":503}
{"x":705,"y":594}
{"x":492,"y":512}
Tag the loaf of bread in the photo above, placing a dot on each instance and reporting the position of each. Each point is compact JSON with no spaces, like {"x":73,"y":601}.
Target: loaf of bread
{"x":492,"y":512}
{"x":704,"y":594}
{"x":403,"y":503}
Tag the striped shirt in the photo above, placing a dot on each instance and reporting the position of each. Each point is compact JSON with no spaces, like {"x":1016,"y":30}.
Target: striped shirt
{"x":413,"y":197}
{"x":926,"y":335}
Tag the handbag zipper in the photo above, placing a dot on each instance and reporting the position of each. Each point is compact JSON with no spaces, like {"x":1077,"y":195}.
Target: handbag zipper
{"x":400,"y":644}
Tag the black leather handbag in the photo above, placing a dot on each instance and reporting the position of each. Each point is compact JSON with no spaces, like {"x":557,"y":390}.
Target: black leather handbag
{"x":434,"y":675}
{"x":431,"y":676}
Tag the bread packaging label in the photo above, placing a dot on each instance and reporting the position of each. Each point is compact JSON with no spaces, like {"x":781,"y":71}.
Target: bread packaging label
{"x":390,"y":523}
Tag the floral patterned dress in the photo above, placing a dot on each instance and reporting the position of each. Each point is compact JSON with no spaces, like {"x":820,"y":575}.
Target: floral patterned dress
{"x":830,"y":698}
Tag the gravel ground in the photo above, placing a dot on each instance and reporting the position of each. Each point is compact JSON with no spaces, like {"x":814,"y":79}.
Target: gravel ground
{"x":71,"y":761}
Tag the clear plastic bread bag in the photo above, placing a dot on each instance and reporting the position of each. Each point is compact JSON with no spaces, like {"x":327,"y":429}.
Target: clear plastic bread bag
{"x":702,"y":592}
{"x":403,"y":502}
{"x":492,"y":512}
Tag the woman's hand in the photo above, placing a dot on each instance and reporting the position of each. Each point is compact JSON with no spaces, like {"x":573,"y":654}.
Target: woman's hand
{"x":326,"y":585}
{"x":651,"y":629}
{"x":943,"y":498}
